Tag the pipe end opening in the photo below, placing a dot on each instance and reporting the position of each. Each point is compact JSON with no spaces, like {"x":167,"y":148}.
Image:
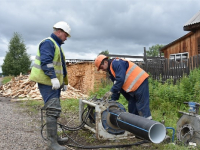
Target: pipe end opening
{"x":157,"y":133}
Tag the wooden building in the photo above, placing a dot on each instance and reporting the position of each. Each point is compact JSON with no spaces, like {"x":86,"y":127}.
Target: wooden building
{"x":187,"y":45}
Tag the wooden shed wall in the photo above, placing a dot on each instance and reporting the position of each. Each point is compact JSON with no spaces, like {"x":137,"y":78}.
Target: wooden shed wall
{"x":188,"y":44}
{"x":84,"y":76}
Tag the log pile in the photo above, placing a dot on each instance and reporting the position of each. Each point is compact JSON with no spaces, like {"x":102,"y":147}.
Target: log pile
{"x":84,"y":76}
{"x":22,"y":87}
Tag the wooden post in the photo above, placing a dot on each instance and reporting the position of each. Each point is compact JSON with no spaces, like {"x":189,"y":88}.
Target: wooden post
{"x":145,"y":59}
{"x":145,"y":55}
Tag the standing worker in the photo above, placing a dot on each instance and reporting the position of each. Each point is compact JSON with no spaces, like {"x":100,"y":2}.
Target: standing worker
{"x":130,"y":80}
{"x":49,"y":71}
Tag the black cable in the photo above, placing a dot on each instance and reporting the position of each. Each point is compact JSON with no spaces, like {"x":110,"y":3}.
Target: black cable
{"x":109,"y":146}
{"x":90,"y":116}
{"x":78,"y":127}
{"x":85,"y":120}
{"x":101,"y":146}
{"x":63,"y":127}
{"x":70,"y":138}
{"x":66,"y":127}
{"x":42,"y":127}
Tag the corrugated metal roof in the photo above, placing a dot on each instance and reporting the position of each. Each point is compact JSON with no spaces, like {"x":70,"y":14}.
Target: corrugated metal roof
{"x":195,"y":19}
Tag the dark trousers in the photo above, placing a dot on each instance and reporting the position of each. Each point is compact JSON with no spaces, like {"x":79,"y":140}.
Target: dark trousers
{"x":138,"y":101}
{"x":51,"y":99}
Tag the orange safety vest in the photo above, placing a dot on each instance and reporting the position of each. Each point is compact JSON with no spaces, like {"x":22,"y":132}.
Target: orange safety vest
{"x":134,"y":76}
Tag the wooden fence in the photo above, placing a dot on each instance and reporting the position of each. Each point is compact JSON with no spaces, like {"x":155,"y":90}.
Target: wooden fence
{"x":163,"y":69}
{"x":160,"y":68}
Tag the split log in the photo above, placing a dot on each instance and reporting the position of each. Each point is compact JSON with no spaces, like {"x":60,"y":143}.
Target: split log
{"x":21,"y":87}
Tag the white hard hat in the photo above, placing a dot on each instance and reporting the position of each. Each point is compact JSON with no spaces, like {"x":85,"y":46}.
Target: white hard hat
{"x":64,"y":26}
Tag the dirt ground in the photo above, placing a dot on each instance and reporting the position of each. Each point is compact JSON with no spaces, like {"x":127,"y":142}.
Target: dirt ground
{"x":21,"y":130}
{"x":18,"y":130}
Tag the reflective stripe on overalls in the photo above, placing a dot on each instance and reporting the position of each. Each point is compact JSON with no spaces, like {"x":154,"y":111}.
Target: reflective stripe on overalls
{"x":37,"y":74}
{"x":134,"y":76}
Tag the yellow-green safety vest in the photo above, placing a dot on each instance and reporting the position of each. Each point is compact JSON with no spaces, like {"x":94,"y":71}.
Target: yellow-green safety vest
{"x":37,"y":74}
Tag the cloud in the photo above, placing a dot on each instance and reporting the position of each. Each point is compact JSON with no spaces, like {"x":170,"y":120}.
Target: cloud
{"x":121,"y":27}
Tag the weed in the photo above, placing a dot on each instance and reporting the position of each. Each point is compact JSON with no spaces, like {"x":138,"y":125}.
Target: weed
{"x":166,"y":99}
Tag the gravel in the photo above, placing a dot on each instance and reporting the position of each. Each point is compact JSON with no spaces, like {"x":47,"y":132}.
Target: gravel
{"x":18,"y":130}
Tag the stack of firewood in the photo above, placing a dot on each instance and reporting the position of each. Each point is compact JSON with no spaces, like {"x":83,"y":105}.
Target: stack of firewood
{"x":22,"y":88}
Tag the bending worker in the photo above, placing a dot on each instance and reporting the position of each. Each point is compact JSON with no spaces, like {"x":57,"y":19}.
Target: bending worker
{"x":49,"y":71}
{"x":130,"y":80}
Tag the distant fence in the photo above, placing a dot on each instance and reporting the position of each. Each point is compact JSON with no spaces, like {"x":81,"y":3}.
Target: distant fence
{"x":162,"y":69}
{"x":73,"y":61}
{"x":159,"y":68}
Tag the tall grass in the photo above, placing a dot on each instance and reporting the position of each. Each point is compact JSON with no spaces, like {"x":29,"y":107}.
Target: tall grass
{"x":166,"y":100}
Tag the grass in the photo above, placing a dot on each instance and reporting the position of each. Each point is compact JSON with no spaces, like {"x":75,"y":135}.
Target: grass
{"x":166,"y":100}
{"x":70,"y":105}
{"x":6,"y":79}
{"x":34,"y":106}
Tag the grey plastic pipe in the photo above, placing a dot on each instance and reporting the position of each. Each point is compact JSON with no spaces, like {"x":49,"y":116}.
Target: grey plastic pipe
{"x":139,"y":126}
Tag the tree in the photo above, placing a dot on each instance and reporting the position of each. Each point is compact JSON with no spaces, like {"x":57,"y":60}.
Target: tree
{"x":16,"y":60}
{"x":106,"y":52}
{"x":154,"y":50}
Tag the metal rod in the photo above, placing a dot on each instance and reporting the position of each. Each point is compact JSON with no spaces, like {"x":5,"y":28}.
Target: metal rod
{"x":90,"y":103}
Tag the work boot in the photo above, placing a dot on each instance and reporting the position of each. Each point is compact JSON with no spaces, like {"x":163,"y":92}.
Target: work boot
{"x":51,"y":123}
{"x":63,"y":140}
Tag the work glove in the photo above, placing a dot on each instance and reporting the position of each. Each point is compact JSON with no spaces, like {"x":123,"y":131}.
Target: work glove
{"x":55,"y":84}
{"x":64,"y":88}
{"x":107,"y":95}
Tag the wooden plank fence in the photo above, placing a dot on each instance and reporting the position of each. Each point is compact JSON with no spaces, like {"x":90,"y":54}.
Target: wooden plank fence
{"x":163,"y":69}
{"x":159,"y":68}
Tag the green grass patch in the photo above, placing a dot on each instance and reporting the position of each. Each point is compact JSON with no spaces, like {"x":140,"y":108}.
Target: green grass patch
{"x":70,"y":105}
{"x":6,"y":79}
{"x":166,"y":100}
{"x":33,"y":106}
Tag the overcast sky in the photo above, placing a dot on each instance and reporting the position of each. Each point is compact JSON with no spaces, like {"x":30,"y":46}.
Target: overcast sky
{"x":119,"y":26}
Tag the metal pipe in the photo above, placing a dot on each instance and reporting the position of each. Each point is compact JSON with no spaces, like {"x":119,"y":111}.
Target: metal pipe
{"x":88,"y":102}
{"x":172,"y":133}
{"x":139,"y":126}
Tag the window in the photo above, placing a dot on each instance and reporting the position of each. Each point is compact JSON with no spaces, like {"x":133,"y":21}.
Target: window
{"x":179,"y":56}
{"x":179,"y":59}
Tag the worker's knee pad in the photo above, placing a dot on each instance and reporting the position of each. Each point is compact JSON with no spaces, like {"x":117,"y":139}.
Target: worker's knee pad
{"x":53,"y":107}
